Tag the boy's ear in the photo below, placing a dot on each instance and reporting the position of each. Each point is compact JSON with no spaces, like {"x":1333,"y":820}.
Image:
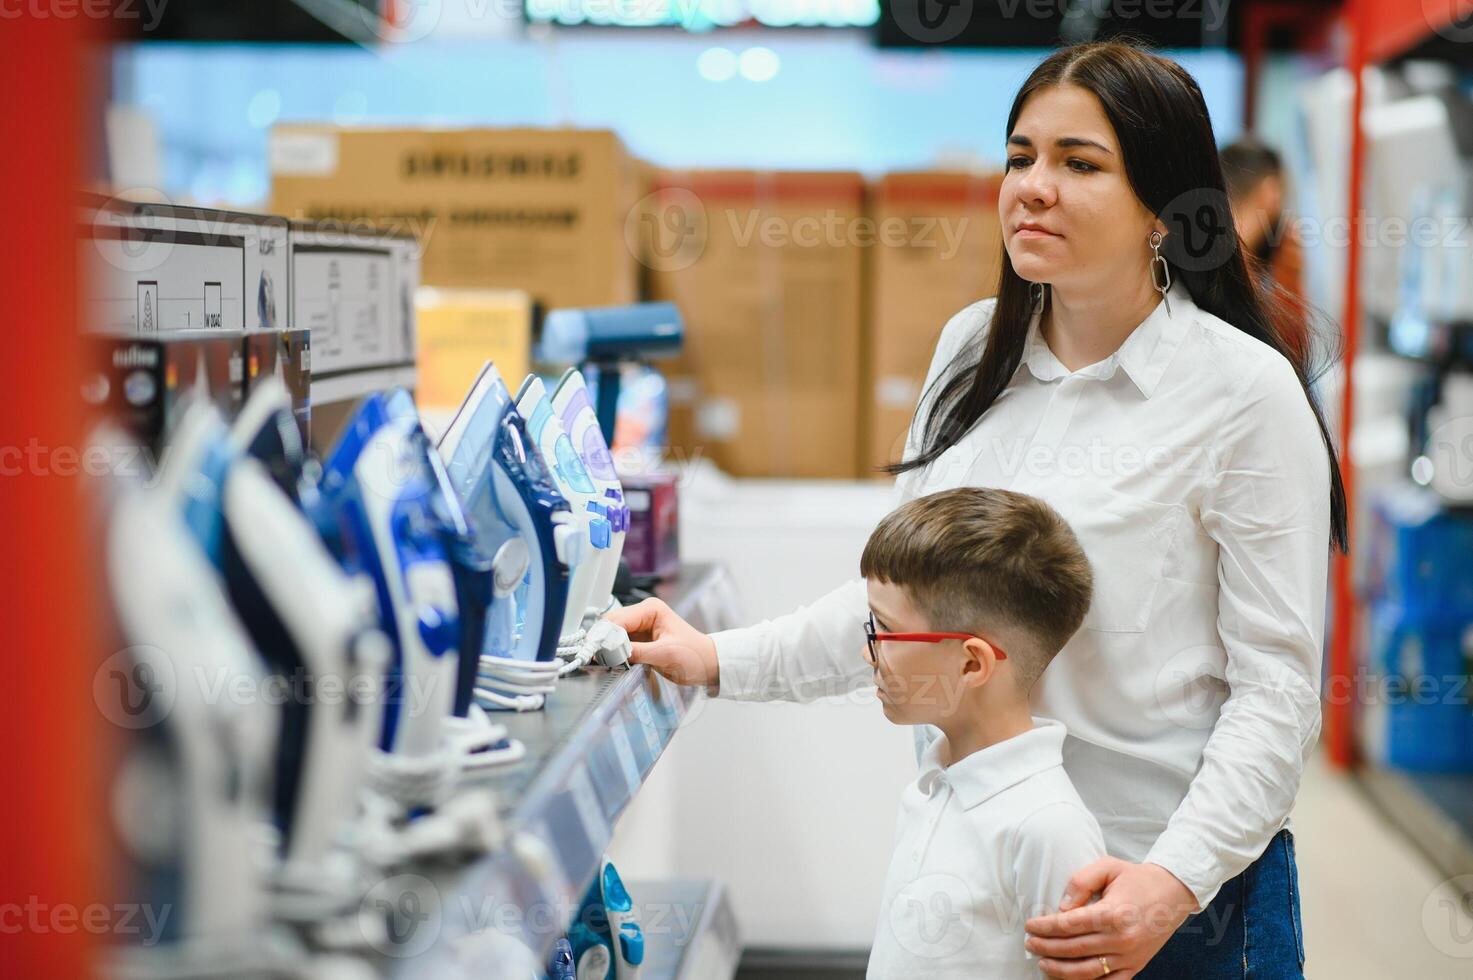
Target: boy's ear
{"x":980,"y":661}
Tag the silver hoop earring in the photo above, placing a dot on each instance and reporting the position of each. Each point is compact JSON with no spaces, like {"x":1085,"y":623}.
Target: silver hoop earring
{"x":1037,"y":290}
{"x":1163,"y":282}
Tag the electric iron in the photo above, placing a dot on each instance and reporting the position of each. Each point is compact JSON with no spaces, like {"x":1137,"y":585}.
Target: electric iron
{"x":482,"y":742}
{"x":189,"y":799}
{"x":314,"y":627}
{"x":606,"y":936}
{"x":266,"y":429}
{"x":378,"y":510}
{"x":567,"y":470}
{"x":575,"y":408}
{"x":523,"y":523}
{"x":586,"y":637}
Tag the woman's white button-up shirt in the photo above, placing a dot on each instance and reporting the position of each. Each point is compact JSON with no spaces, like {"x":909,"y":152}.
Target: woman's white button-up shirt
{"x":1192,"y":470}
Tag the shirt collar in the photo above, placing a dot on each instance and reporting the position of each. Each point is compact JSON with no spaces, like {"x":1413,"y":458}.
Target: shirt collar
{"x":1144,"y":355}
{"x":987,"y":772}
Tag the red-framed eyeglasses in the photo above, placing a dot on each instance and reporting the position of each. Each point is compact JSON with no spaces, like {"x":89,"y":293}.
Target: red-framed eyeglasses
{"x":873,"y":640}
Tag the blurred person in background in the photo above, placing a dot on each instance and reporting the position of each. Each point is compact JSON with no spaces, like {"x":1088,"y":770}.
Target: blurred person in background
{"x":1254,"y":174}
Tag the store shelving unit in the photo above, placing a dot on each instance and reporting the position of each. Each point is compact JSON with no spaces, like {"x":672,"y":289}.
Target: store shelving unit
{"x":1435,"y":811}
{"x":589,"y":751}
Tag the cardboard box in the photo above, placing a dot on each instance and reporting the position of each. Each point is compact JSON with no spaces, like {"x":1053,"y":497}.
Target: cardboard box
{"x":461,"y":329}
{"x":544,"y":210}
{"x":766,"y":269}
{"x":939,"y":249}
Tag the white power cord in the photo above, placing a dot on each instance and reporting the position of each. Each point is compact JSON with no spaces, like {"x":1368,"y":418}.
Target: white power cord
{"x":506,"y":683}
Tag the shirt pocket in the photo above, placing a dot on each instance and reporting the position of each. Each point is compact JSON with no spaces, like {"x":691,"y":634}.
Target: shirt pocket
{"x":1127,"y":540}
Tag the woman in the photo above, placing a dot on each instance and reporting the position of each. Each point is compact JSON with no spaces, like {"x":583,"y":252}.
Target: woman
{"x":1130,"y":373}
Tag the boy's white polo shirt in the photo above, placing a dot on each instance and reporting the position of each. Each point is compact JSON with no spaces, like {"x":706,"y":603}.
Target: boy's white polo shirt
{"x":981,"y":846}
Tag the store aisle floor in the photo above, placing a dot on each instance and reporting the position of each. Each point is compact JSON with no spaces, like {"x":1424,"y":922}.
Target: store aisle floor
{"x":1373,"y":906}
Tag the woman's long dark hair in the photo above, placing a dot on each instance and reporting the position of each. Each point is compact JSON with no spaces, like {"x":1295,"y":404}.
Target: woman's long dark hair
{"x":1172,"y":164}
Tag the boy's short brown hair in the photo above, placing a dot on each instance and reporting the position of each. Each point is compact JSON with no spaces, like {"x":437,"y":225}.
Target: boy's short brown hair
{"x":978,"y":560}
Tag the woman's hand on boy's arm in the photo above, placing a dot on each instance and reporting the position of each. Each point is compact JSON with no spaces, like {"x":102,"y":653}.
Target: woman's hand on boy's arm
{"x":668,"y":644}
{"x":1141,"y":905}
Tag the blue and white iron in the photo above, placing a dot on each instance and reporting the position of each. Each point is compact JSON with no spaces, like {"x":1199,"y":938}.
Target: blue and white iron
{"x":481,"y":742}
{"x":313,"y":626}
{"x":189,"y":800}
{"x":575,"y":408}
{"x":606,"y":935}
{"x":380,"y":512}
{"x":567,"y":469}
{"x":524,"y":524}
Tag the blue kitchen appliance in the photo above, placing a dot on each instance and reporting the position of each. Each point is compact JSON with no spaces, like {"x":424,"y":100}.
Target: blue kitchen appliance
{"x":527,"y":529}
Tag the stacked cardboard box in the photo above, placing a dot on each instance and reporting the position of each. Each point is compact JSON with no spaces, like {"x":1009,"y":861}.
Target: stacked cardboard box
{"x":543,"y":210}
{"x":938,"y":250}
{"x":460,"y":330}
{"x":767,"y":270}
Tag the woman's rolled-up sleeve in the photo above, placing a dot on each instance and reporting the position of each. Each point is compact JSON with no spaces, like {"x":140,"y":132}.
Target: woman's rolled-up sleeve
{"x":1268,"y":510}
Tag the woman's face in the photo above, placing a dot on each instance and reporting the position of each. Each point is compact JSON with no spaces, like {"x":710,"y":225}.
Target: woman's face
{"x":1069,"y":215}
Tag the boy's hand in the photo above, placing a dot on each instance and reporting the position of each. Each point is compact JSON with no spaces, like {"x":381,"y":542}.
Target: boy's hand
{"x":668,"y":644}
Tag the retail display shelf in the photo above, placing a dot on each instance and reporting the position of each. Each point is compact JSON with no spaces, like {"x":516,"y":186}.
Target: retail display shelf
{"x":356,"y":384}
{"x":589,"y":752}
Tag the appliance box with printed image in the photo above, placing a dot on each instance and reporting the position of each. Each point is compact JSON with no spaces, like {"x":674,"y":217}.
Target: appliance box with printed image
{"x":142,"y":382}
{"x":151,"y":268}
{"x":352,"y":287}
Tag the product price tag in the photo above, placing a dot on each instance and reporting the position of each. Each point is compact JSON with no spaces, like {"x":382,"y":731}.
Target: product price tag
{"x":646,"y":719}
{"x":624,"y":749}
{"x":589,"y":811}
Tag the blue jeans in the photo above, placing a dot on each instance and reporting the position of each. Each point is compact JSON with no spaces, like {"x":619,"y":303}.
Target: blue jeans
{"x":1250,"y":931}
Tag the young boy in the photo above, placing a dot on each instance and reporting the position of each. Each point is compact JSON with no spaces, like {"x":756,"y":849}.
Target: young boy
{"x":972,"y":592}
